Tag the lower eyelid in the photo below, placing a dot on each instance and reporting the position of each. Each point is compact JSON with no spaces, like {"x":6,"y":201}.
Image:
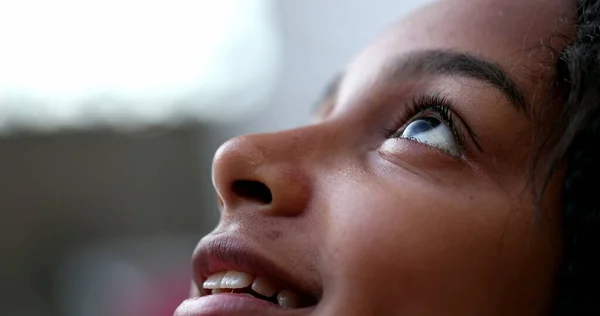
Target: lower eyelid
{"x":415,"y":152}
{"x":435,"y":147}
{"x":396,"y":136}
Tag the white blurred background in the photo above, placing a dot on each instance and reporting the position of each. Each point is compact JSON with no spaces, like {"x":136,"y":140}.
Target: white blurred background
{"x":110,"y":112}
{"x":76,"y":63}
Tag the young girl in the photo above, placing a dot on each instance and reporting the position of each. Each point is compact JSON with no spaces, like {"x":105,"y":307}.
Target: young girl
{"x":449,"y":171}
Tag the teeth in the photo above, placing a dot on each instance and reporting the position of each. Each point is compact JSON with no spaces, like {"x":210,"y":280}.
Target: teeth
{"x":236,"y":280}
{"x":214,"y":281}
{"x":227,"y":281}
{"x":288,"y":299}
{"x":263,"y":287}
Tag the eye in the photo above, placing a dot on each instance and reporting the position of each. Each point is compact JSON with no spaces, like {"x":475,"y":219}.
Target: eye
{"x":433,"y":132}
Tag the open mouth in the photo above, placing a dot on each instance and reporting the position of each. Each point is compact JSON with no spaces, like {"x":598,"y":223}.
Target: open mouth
{"x":258,"y":287}
{"x":237,"y":277}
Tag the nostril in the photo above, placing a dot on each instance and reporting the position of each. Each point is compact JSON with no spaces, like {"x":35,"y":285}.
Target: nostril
{"x":253,"y":190}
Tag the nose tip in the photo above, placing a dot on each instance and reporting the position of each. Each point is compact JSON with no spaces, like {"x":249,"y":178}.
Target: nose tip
{"x":258,"y":172}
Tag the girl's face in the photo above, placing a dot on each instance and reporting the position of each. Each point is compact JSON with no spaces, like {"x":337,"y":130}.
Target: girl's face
{"x":410,"y":192}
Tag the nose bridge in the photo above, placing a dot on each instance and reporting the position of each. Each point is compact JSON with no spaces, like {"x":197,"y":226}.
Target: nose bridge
{"x":311,"y":143}
{"x":295,"y":146}
{"x":282,"y":164}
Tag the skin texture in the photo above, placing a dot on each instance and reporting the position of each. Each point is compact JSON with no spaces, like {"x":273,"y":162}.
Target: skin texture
{"x":395,"y":227}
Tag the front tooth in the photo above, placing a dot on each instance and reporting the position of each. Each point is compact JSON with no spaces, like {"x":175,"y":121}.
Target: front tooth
{"x":288,"y":299}
{"x":236,"y":280}
{"x":263,"y":287}
{"x":214,"y":281}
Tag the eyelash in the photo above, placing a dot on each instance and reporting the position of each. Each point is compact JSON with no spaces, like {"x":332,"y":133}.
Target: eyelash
{"x":436,"y":104}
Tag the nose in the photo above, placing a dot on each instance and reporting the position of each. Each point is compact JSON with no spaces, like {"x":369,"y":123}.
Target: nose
{"x":262,"y":172}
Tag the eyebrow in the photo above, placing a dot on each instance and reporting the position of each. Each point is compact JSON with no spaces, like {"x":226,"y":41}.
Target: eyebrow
{"x":449,"y":63}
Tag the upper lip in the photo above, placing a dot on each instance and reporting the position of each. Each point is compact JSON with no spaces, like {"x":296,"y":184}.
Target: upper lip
{"x":224,"y":253}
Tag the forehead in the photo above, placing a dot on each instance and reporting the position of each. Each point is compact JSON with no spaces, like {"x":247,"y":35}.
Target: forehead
{"x":515,"y":34}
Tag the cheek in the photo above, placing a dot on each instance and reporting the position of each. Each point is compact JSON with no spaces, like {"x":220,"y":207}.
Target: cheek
{"x":416,"y":242}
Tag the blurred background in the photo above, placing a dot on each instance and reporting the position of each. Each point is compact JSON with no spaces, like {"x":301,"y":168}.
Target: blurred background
{"x":110,"y":112}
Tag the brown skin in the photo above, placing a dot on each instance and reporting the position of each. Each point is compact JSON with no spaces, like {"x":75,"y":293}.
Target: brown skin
{"x":395,"y":227}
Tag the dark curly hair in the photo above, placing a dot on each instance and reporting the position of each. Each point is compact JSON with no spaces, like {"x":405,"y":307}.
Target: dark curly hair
{"x":578,"y":75}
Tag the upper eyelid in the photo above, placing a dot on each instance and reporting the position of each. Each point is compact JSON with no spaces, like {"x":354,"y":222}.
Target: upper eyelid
{"x":457,"y":117}
{"x":447,"y":121}
{"x":411,"y":112}
{"x":470,"y":131}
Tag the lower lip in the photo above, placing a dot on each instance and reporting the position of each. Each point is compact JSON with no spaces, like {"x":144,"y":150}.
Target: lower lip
{"x":226,"y":304}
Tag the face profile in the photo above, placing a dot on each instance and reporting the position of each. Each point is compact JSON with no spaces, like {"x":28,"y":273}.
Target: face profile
{"x":413,"y":190}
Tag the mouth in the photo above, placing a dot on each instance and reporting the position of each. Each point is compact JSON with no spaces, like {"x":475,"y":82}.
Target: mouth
{"x":234,"y":279}
{"x":259,"y":287}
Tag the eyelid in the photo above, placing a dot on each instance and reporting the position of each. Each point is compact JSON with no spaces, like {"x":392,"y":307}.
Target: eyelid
{"x":445,"y":119}
{"x":439,"y":105}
